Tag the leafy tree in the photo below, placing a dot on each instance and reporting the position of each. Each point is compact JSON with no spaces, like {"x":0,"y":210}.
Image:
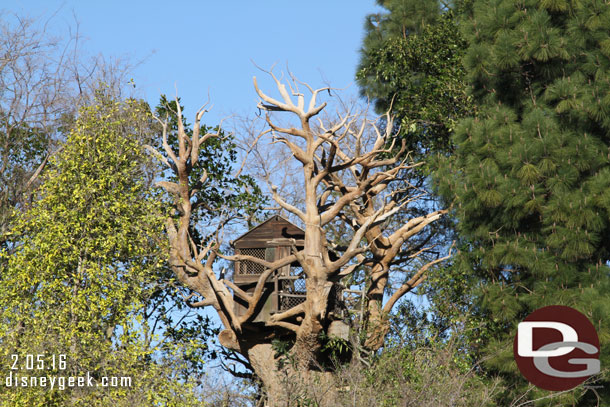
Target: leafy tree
{"x":410,"y":64}
{"x":530,"y":173}
{"x":85,"y":265}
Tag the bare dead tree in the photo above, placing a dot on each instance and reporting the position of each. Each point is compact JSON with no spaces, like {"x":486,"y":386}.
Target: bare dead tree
{"x":352,"y":172}
{"x":32,"y":99}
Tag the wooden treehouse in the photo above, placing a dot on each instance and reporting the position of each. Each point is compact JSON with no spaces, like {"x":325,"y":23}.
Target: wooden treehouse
{"x":285,"y":288}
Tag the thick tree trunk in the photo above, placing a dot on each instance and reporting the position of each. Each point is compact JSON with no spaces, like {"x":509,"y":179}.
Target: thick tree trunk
{"x":267,"y":369}
{"x":308,"y":335}
{"x":377,"y":325}
{"x":286,"y":386}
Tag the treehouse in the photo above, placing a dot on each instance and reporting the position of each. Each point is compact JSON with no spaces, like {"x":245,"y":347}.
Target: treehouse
{"x":270,"y":241}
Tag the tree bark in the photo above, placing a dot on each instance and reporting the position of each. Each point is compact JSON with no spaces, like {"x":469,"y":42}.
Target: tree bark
{"x":288,"y":385}
{"x":265,"y":366}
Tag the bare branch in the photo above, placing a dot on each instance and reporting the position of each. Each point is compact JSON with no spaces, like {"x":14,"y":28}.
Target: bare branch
{"x":413,"y":282}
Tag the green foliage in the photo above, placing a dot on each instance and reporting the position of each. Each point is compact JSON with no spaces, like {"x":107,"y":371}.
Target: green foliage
{"x":86,"y":261}
{"x":222,"y":196}
{"x":281,"y":347}
{"x":284,"y":356}
{"x":337,"y":346}
{"x":530,"y":171}
{"x":410,"y":65}
{"x":337,"y":350}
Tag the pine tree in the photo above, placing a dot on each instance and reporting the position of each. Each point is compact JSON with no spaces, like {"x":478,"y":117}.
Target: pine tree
{"x":530,"y":174}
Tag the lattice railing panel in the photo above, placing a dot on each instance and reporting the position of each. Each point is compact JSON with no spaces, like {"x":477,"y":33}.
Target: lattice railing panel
{"x":250,"y":267}
{"x":292,"y":292}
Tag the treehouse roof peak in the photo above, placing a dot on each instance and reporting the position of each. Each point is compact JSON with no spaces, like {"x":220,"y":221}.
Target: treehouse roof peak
{"x":275,"y":229}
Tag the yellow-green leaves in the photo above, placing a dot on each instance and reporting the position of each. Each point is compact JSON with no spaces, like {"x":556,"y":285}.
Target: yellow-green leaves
{"x":86,"y":262}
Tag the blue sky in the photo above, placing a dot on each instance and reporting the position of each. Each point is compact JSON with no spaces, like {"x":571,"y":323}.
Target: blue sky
{"x":210,"y":45}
